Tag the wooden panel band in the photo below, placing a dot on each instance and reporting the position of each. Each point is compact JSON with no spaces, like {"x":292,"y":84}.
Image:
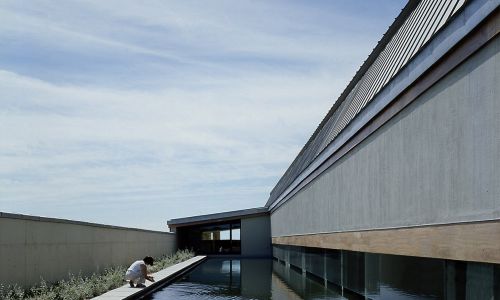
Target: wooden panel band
{"x":478,"y":241}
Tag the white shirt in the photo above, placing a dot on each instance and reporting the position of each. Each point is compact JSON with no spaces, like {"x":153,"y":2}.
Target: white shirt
{"x":136,"y":267}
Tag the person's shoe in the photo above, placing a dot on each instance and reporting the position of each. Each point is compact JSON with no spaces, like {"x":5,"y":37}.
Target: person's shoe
{"x":140,"y":285}
{"x":131,"y":283}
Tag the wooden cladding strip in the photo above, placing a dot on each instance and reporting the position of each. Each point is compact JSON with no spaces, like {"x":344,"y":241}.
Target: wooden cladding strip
{"x":478,"y":242}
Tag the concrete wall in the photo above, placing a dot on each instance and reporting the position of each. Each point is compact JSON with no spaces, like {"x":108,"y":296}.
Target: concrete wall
{"x":256,"y":236}
{"x":438,"y":161}
{"x":32,"y":247}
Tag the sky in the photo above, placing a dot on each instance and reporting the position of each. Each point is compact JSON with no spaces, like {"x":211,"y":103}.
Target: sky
{"x":132,"y":113}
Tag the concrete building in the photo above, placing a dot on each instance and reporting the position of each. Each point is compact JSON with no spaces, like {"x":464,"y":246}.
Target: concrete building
{"x":417,"y":158}
{"x":243,"y":232}
{"x":402,"y":176}
{"x":400,"y":180}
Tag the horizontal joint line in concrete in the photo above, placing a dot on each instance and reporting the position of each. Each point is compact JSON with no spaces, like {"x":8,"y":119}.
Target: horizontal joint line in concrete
{"x":391,"y":228}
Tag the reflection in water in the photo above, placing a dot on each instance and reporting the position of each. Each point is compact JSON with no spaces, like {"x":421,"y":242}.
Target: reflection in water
{"x":245,"y":279}
{"x":403,"y":277}
{"x":333,"y":274}
{"x":291,"y":283}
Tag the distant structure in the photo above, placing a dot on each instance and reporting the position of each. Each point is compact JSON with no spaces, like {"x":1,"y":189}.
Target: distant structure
{"x":402,"y":176}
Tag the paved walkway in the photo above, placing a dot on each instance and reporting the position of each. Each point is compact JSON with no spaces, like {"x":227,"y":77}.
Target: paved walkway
{"x":160,"y":277}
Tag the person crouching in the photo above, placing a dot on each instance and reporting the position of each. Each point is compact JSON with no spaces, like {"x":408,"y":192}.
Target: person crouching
{"x":138,"y":272}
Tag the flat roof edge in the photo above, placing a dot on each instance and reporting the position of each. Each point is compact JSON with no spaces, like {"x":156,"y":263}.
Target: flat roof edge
{"x":218,"y":216}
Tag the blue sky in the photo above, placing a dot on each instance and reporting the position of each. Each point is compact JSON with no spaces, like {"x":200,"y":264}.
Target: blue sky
{"x":135,"y":112}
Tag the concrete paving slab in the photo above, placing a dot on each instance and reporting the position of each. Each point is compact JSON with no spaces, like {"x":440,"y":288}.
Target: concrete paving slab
{"x":160,"y":277}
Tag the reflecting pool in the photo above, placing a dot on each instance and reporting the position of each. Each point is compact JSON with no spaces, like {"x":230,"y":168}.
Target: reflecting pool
{"x":246,"y":279}
{"x":311,"y":273}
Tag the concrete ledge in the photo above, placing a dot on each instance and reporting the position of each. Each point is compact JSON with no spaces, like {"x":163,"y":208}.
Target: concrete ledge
{"x":161,"y":277}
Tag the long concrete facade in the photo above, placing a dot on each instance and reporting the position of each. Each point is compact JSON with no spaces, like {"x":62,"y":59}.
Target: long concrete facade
{"x":32,"y":248}
{"x":436,"y":162}
{"x":431,"y":166}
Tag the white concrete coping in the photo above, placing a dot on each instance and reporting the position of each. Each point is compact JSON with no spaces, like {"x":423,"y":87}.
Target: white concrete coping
{"x":161,"y":277}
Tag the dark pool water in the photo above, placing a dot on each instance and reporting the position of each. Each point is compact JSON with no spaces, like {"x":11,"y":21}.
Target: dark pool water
{"x":363,"y":276}
{"x":257,"y":279}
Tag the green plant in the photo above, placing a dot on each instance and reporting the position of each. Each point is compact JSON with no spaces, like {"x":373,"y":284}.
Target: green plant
{"x":168,"y":260}
{"x":12,"y":292}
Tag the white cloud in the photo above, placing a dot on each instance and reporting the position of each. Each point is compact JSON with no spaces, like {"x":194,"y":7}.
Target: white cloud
{"x":106,"y":144}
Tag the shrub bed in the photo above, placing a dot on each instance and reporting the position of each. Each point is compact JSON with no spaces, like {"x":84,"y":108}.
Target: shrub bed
{"x":77,"y":287}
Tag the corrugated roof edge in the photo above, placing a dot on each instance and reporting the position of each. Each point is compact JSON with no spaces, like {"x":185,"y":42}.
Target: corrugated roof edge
{"x":219,"y":216}
{"x":393,"y":28}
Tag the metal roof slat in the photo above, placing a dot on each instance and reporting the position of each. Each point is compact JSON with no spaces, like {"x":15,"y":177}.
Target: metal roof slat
{"x":417,"y":23}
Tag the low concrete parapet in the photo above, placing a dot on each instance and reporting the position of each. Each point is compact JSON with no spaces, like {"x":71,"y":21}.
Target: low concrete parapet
{"x":32,"y":248}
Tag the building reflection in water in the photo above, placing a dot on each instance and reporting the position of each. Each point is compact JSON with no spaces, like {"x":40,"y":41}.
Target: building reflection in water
{"x":326,"y":274}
